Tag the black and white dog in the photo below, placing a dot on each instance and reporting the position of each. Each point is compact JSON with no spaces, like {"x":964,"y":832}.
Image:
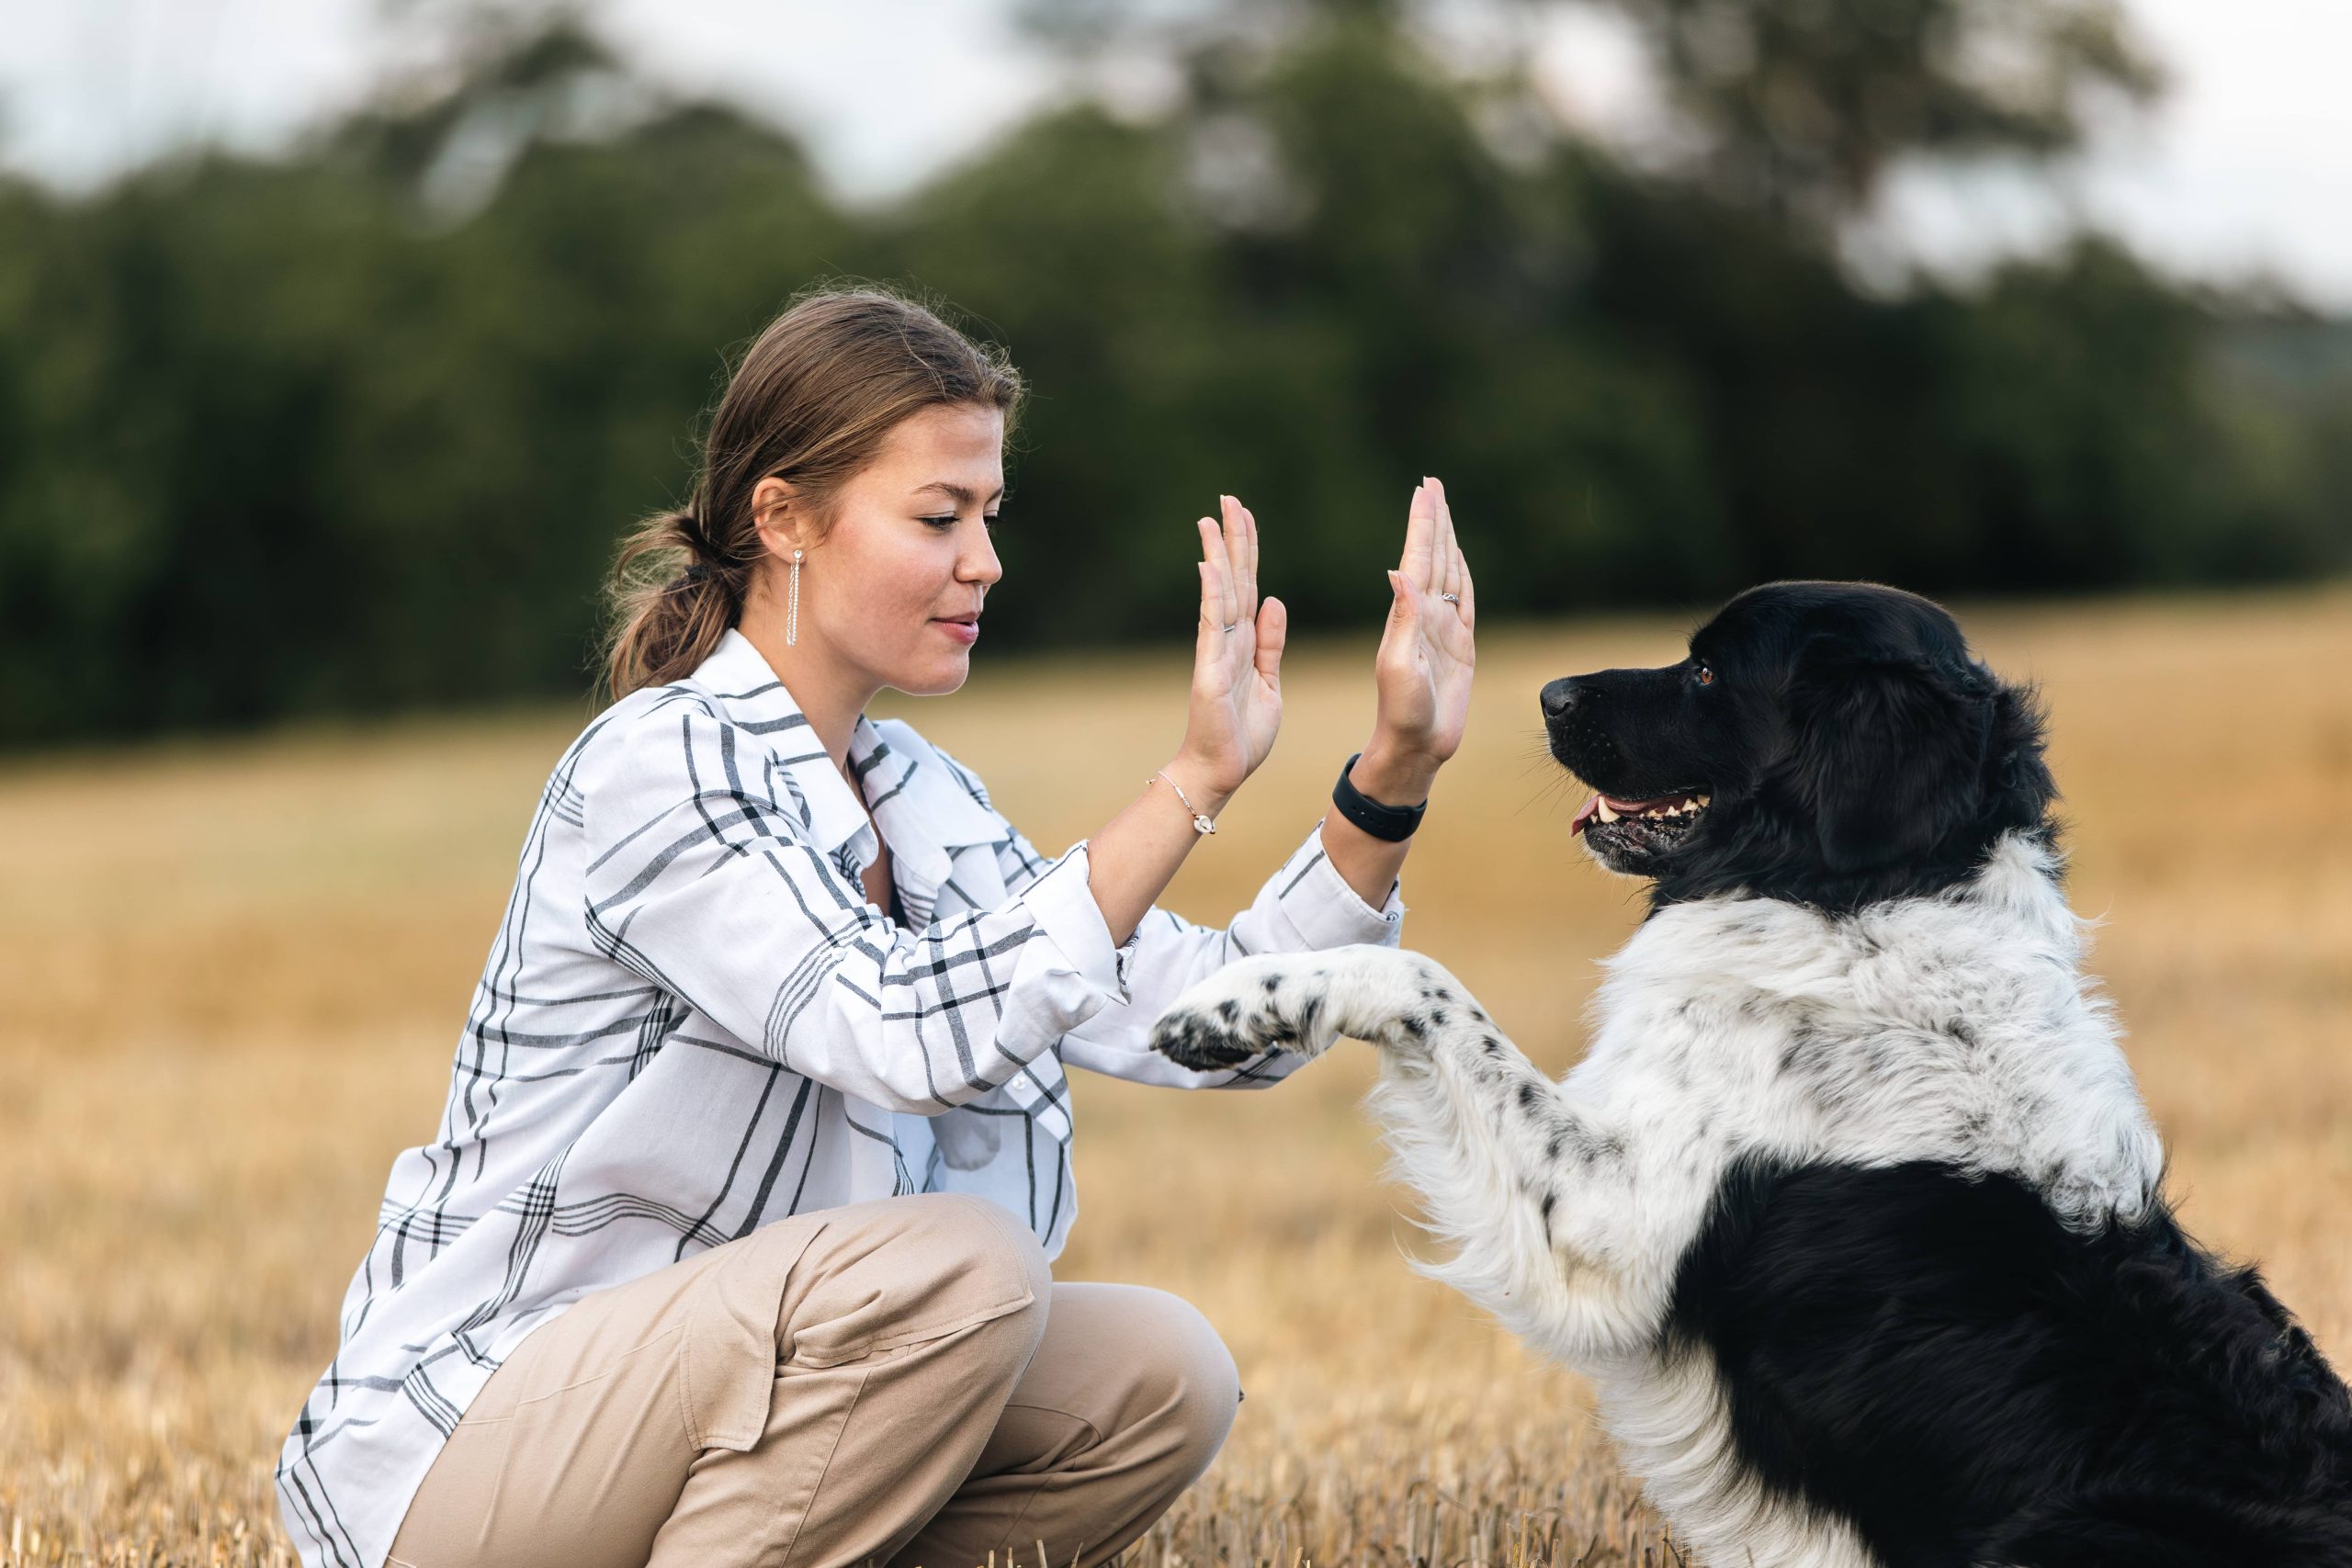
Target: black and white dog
{"x":1851,"y":1211}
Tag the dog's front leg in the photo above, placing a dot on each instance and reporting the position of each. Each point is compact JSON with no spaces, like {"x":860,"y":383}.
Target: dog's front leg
{"x":1534,"y":1193}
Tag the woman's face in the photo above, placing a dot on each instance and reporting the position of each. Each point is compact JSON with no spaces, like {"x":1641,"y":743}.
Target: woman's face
{"x":891,"y":595}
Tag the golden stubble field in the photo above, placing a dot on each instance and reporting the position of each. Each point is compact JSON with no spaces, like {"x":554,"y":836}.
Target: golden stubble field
{"x":231,"y":975}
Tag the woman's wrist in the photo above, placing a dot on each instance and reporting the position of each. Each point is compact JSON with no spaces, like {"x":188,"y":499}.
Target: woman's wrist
{"x":1195,"y":782}
{"x":1391,"y":775}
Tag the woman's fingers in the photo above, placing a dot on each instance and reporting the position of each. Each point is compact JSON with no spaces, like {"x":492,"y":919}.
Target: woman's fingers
{"x":1404,"y":608}
{"x":1216,"y":577}
{"x":1446,"y":571}
{"x":1241,"y":557}
{"x":1231,"y":578}
{"x":1420,"y":529}
{"x":1250,"y":522}
{"x":1274,"y":630}
{"x":1452,"y":575}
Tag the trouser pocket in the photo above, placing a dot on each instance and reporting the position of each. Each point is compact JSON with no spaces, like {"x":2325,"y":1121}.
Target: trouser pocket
{"x":726,"y":1368}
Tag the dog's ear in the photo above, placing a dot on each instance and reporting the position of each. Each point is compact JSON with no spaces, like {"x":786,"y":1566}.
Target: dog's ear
{"x":1887,"y":754}
{"x":2016,"y":775}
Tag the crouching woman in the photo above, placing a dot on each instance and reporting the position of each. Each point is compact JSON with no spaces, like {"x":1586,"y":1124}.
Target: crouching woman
{"x":733,"y":1243}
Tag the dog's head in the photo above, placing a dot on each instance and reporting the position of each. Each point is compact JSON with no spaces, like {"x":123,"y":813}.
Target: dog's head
{"x":1833,"y":743}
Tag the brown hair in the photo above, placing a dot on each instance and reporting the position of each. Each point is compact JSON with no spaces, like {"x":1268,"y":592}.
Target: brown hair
{"x":810,"y":402}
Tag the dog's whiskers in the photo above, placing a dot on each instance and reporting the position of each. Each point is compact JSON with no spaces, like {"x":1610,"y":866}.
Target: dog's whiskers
{"x":1549,"y":792}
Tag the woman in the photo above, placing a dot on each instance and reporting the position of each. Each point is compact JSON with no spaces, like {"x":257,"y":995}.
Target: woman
{"x":733,"y":1246}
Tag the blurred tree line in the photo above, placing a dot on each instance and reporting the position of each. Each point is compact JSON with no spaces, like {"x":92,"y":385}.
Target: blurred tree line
{"x":355,"y":428}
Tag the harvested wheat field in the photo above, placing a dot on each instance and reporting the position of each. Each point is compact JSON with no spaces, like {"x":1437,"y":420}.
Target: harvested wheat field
{"x":230,"y":974}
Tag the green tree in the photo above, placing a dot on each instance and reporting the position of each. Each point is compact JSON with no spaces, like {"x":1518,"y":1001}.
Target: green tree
{"x":1802,"y":105}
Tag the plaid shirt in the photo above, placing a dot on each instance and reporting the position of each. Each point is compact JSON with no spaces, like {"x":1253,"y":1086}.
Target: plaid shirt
{"x":692,"y":1023}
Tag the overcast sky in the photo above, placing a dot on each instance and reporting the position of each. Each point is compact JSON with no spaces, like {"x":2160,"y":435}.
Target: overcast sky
{"x":2245,"y":165}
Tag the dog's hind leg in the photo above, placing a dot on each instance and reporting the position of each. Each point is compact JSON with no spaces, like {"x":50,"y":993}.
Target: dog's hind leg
{"x":1530,"y":1191}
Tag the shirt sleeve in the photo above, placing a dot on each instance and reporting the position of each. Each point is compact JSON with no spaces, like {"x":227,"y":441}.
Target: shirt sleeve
{"x":1304,"y":907}
{"x":699,"y":878}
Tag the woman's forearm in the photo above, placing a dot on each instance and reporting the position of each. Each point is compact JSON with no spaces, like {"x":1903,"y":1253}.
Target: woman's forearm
{"x":1131,"y":860}
{"x":1368,"y":864}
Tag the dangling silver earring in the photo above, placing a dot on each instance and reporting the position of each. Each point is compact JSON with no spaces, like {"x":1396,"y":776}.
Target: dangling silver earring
{"x":792,"y":605}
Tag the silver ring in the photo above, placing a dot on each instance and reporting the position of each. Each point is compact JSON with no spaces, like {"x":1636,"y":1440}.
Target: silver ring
{"x":1451,"y":598}
{"x":1229,"y":629}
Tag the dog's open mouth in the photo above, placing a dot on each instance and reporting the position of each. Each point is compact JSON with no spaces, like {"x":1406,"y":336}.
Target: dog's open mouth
{"x":1655,"y":823}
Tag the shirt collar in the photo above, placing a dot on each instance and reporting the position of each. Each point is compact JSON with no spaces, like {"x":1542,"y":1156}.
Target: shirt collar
{"x":923,"y":808}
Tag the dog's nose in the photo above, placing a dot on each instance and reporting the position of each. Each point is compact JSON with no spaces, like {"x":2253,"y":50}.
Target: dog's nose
{"x":1559,"y":696}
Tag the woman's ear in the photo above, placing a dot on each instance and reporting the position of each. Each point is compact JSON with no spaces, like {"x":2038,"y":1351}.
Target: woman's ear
{"x":781,"y":517}
{"x":1888,"y":757}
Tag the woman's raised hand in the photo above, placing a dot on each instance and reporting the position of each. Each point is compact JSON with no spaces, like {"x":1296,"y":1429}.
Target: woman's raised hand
{"x":1236,"y":702}
{"x":1426,"y":651}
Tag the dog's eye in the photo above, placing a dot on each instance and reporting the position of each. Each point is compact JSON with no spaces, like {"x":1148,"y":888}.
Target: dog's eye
{"x":1704,"y":674}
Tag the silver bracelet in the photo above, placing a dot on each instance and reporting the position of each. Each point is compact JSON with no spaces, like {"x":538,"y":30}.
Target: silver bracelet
{"x":1201,"y":822}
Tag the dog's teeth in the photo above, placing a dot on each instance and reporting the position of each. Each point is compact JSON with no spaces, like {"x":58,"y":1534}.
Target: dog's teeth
{"x":1699,"y":801}
{"x":1606,"y":814}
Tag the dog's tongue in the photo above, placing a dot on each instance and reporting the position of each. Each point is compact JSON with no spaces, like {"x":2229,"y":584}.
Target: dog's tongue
{"x":1592,"y":808}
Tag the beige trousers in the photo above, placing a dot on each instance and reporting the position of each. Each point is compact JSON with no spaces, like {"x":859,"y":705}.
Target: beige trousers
{"x":894,"y":1383}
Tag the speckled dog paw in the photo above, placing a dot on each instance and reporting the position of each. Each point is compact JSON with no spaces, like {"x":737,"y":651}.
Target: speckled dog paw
{"x":1248,"y":1008}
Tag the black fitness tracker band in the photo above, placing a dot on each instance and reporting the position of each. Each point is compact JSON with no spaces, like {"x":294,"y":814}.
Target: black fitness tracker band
{"x":1393,"y":823}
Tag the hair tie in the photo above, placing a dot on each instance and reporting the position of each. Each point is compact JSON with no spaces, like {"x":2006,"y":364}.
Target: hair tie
{"x":692,"y":575}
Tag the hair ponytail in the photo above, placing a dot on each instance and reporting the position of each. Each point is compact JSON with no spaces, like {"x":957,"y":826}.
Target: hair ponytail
{"x":670,"y":603}
{"x":810,"y":402}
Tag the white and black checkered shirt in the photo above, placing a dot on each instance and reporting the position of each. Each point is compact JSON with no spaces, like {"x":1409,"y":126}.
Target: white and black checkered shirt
{"x":692,"y":1023}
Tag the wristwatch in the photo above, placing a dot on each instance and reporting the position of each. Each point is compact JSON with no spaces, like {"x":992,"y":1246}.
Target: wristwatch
{"x":1394,"y":823}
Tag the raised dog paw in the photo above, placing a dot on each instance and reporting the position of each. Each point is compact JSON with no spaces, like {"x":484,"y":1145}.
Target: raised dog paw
{"x":1249,"y":1007}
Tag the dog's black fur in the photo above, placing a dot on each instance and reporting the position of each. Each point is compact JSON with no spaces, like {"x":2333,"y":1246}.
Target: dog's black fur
{"x":1928,"y":1355}
{"x":1939,"y":1361}
{"x":1853,"y":749}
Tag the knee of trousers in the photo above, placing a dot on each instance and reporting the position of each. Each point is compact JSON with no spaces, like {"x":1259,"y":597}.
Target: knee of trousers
{"x":906,"y":1271}
{"x":1183,"y":1378}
